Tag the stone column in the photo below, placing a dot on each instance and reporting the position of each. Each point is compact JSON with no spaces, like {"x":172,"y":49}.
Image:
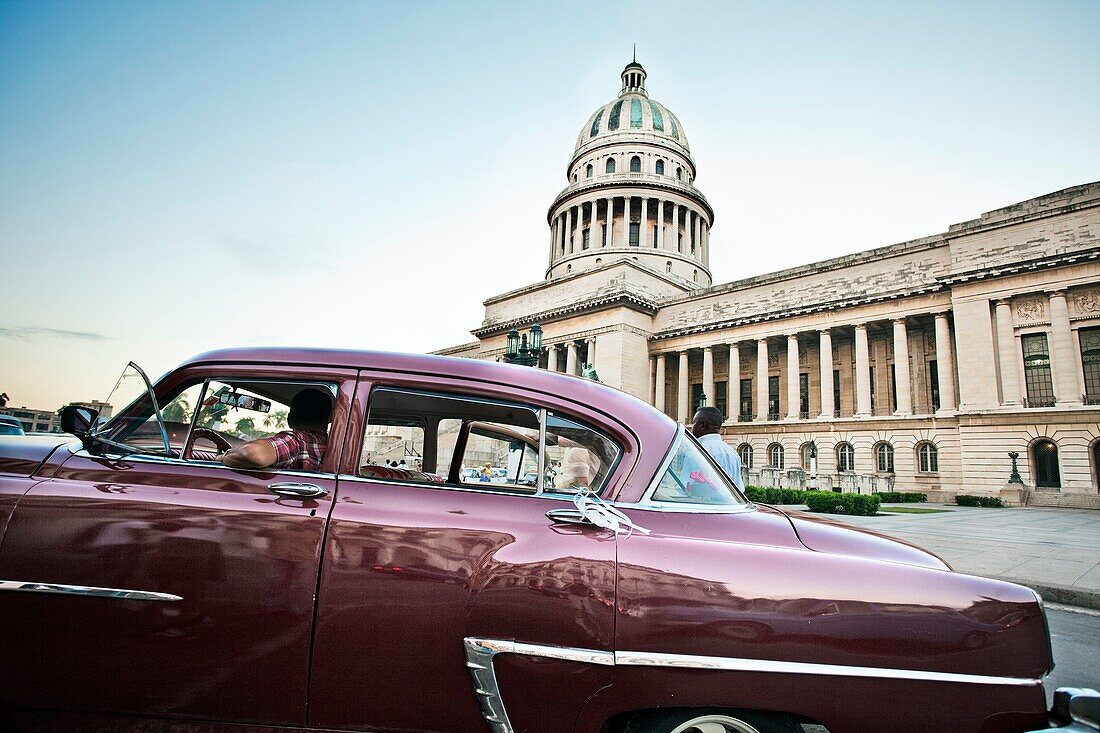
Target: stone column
{"x":698,"y":227}
{"x":794,"y":400}
{"x":945,"y":364}
{"x":626,"y":222}
{"x":660,"y":224}
{"x":682,"y":389}
{"x":610,"y":216}
{"x":1006,"y":352}
{"x":569,"y":230}
{"x":676,"y":227}
{"x":659,"y":387}
{"x":901,"y":368}
{"x":571,"y":358}
{"x":1067,"y":391}
{"x":651,"y":393}
{"x":643,"y":229}
{"x":552,"y":357}
{"x":592,"y":350}
{"x":733,"y":384}
{"x":863,"y":374}
{"x":825,"y":359}
{"x":708,"y":376}
{"x":761,"y":380}
{"x":553,"y":239}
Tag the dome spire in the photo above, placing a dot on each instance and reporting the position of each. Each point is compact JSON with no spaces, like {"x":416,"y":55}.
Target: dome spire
{"x":633,"y":77}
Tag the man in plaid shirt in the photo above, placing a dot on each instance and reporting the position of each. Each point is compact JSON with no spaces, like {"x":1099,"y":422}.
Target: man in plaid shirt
{"x":302,"y":447}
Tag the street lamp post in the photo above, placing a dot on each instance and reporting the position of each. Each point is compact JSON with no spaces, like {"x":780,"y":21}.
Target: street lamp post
{"x":518,"y":351}
{"x":813,"y":465}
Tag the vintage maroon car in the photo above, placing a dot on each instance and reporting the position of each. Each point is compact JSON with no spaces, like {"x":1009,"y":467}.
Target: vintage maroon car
{"x":553,"y":555}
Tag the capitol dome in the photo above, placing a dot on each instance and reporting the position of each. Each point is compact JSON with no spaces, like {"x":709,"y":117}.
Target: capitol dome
{"x":630,"y":193}
{"x":633,"y":111}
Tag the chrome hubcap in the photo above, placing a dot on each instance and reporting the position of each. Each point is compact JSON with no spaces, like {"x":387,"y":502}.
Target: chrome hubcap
{"x":714,"y":724}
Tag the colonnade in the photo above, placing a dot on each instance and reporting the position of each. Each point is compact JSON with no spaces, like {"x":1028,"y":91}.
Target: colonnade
{"x":1061,"y":354}
{"x":824,"y":409}
{"x":573,"y":357}
{"x":566,"y":231}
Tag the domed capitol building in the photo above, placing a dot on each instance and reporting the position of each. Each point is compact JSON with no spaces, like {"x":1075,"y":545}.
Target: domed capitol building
{"x":917,"y":366}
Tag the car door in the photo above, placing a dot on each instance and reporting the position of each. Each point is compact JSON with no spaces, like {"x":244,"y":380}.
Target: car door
{"x":180,"y":588}
{"x":418,"y":563}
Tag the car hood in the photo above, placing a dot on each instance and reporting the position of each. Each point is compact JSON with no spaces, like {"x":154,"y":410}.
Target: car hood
{"x":23,"y":454}
{"x":821,"y":534}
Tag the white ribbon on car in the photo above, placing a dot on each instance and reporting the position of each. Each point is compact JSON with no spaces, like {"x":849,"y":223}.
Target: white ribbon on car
{"x":600,"y":513}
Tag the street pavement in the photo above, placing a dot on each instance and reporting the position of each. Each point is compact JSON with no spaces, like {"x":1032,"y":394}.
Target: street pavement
{"x":1054,"y":551}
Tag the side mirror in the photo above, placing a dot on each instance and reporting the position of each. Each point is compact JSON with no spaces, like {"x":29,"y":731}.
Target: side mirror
{"x":78,"y":420}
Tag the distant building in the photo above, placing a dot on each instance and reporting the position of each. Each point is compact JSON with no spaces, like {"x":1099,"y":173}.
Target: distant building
{"x":102,"y":408}
{"x":917,"y":365}
{"x":39,"y":421}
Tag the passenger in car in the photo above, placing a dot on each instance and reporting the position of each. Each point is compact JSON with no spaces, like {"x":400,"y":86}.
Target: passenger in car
{"x":302,"y":447}
{"x":578,"y":469}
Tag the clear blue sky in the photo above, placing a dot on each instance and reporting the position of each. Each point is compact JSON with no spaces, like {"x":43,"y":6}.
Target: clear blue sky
{"x":182,"y":176}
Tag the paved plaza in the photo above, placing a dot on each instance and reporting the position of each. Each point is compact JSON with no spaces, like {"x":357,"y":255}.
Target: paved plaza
{"x":1054,"y":551}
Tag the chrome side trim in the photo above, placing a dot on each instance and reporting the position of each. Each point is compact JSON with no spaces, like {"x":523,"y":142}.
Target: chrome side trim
{"x":689,"y":661}
{"x":479,"y":660}
{"x":86,"y":590}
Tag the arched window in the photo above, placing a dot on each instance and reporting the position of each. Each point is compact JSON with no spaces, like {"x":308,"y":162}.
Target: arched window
{"x":679,"y":174}
{"x":668,"y":266}
{"x":804,"y":455}
{"x":613,"y":118}
{"x":588,"y":171}
{"x":660,"y":168}
{"x":775,"y":455}
{"x":635,"y":164}
{"x":745,"y":451}
{"x":658,"y":120}
{"x":884,"y":458}
{"x":695,"y":276}
{"x":596,"y":124}
{"x":845,"y":458}
{"x":599,"y":261}
{"x":928,"y":458}
{"x":574,"y":178}
{"x":636,"y":113}
{"x":568,"y":268}
{"x":610,"y":166}
{"x":1044,"y":456}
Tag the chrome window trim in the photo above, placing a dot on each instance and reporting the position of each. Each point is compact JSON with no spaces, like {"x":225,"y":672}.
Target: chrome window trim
{"x":25,"y":586}
{"x":453,"y":487}
{"x":168,"y":460}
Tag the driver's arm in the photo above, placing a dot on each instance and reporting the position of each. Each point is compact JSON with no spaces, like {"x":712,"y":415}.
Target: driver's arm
{"x":259,"y":453}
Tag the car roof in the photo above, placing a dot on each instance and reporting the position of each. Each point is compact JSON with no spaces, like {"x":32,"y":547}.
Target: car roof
{"x":639,"y":416}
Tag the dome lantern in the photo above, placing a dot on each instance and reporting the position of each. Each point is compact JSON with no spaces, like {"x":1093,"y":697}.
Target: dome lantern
{"x":633,"y":77}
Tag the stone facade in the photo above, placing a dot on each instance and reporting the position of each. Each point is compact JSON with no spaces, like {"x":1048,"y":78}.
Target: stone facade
{"x":916,"y":366}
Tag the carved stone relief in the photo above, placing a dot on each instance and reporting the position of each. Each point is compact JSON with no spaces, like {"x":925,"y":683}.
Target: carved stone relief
{"x":1086,"y":302}
{"x":1030,"y":310}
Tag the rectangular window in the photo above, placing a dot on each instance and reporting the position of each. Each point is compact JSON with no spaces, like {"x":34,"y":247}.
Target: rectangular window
{"x":720,"y":399}
{"x":836,"y":392}
{"x":1089,"y":339}
{"x":871,"y":370}
{"x":584,"y":242}
{"x":745,"y":413}
{"x":804,"y":395}
{"x":1040,"y":389}
{"x":934,"y":379}
{"x":655,"y":232}
{"x":773,"y":398}
{"x":696,"y":393}
{"x":603,"y":242}
{"x":893,"y":390}
{"x":635,"y":233}
{"x":435,"y":438}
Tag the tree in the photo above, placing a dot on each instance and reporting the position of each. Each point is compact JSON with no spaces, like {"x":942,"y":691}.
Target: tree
{"x":276,"y":420}
{"x":246,"y":427}
{"x":178,"y":410}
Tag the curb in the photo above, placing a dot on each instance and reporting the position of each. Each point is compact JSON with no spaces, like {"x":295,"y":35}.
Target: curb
{"x":1063,"y":594}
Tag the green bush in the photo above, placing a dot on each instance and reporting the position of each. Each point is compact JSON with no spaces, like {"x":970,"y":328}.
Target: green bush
{"x":895,"y":497}
{"x":775,"y":496}
{"x":986,"y":501}
{"x":830,"y":502}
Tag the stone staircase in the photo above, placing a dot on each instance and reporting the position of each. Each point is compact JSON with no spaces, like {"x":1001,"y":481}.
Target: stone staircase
{"x":1059,"y":500}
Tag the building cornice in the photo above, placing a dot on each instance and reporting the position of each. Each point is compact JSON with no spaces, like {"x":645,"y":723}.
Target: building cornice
{"x":1012,"y":268}
{"x":621,"y":298}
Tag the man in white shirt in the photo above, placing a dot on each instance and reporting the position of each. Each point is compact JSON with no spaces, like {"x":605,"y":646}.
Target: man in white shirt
{"x":705,"y":427}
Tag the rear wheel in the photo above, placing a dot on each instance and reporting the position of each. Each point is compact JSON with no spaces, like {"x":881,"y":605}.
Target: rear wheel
{"x":711,"y":721}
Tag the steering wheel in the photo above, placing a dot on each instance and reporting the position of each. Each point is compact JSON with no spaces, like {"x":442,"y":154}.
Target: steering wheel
{"x":213,"y":436}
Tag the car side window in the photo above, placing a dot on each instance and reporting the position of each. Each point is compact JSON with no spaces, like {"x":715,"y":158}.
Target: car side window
{"x":692,"y":478}
{"x":435,"y":438}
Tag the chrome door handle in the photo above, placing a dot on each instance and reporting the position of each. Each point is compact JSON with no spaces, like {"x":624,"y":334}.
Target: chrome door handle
{"x":567,"y":516}
{"x":294,"y":490}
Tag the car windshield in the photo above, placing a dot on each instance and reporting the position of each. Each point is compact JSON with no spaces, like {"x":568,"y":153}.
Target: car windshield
{"x":8,"y":429}
{"x":139,"y":428}
{"x":693,"y":478}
